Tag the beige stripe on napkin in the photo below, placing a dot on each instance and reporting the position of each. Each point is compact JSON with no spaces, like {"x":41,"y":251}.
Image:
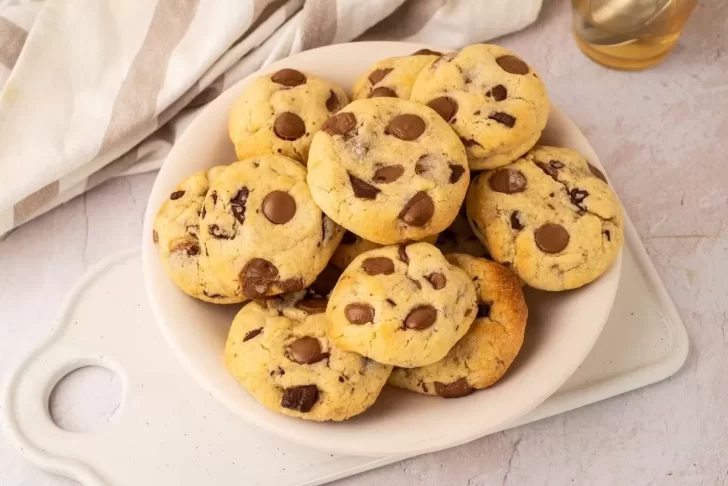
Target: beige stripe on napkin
{"x":12,"y":39}
{"x":136,"y":101}
{"x":318,"y":23}
{"x":405,"y":21}
{"x":28,"y":206}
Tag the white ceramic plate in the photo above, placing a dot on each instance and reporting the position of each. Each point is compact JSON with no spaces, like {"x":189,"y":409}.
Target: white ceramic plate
{"x":562,"y":327}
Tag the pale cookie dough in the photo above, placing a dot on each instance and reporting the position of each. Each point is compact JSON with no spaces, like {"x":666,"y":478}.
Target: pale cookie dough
{"x":175,"y":233}
{"x":261,"y":230}
{"x":388,"y":170}
{"x":495,"y":102}
{"x":352,"y":246}
{"x":393,"y":77}
{"x":279,"y":352}
{"x":280,"y":112}
{"x":484,"y":354}
{"x":459,"y":238}
{"x":550,"y":216}
{"x":402,"y":305}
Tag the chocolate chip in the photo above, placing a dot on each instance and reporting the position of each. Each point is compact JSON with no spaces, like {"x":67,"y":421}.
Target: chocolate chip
{"x":313,"y":305}
{"x":155,"y":237}
{"x":418,"y":210}
{"x":349,"y":238}
{"x":608,"y":235}
{"x":503,"y":118}
{"x":191,"y":248}
{"x":288,"y":77}
{"x":597,"y":173}
{"x":213,"y":196}
{"x":469,"y":142}
{"x":361,"y":189}
{"x":456,"y":172}
{"x":339,"y":124}
{"x":426,"y":52}
{"x":445,"y":106}
{"x":508,"y":181}
{"x":390,"y":173}
{"x":379,"y":74}
{"x":326,"y":281}
{"x":306,"y":350}
{"x":176,"y":195}
{"x":237,"y":204}
{"x":578,"y":196}
{"x":383,"y":92}
{"x":402,"y":253}
{"x":333,"y":104}
{"x":301,"y":398}
{"x":513,"y":65}
{"x":438,"y":280}
{"x":516,"y":220}
{"x":279,"y":207}
{"x":499,"y":92}
{"x":378,"y":266}
{"x":203,"y":213}
{"x":551,"y":238}
{"x":549,"y":170}
{"x":216,"y":232}
{"x":359,"y":313}
{"x":289,"y":126}
{"x":291,"y":285}
{"x":406,"y":127}
{"x":422,"y":165}
{"x":257,"y":277}
{"x":421,"y":317}
{"x":456,"y":389}
{"x":251,"y":334}
{"x":483,"y":310}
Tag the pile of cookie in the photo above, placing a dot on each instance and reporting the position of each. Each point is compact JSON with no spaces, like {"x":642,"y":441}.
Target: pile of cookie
{"x":347,"y":230}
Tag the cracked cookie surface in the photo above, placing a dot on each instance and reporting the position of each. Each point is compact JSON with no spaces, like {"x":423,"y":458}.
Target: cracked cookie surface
{"x":279,"y":352}
{"x":495,"y":102}
{"x":393,"y":77}
{"x":261,"y":230}
{"x":402,"y":305}
{"x":388,"y":170}
{"x":491,"y":344}
{"x":176,"y":235}
{"x":280,"y":112}
{"x":352,"y":246}
{"x":550,"y":216}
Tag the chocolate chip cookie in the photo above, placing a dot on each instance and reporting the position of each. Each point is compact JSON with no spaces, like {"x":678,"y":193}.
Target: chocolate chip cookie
{"x":484,"y":354}
{"x":494,"y":100}
{"x":393,"y":77}
{"x":279,"y":352}
{"x":352,"y":246}
{"x":550,"y":216}
{"x":280,"y":112}
{"x":176,"y":232}
{"x":261,"y":230}
{"x":459,"y":238}
{"x":388,"y":170}
{"x":402,"y":305}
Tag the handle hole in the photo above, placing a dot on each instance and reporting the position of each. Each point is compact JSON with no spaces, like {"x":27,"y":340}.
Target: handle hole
{"x":85,"y":398}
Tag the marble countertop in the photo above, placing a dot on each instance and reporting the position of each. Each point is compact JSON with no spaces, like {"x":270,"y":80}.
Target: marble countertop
{"x":662,"y":135}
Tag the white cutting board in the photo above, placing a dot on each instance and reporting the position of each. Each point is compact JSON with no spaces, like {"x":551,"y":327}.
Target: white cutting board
{"x":169,"y":431}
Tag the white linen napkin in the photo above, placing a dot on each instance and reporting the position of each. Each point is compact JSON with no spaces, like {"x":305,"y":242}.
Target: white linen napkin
{"x":94,"y":90}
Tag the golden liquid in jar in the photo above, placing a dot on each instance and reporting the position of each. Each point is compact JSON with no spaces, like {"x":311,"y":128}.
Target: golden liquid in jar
{"x":629,"y":34}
